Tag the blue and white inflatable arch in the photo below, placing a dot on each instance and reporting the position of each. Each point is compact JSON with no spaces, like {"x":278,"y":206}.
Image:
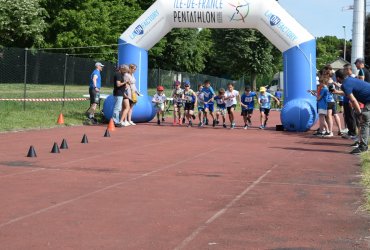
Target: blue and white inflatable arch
{"x":296,"y":43}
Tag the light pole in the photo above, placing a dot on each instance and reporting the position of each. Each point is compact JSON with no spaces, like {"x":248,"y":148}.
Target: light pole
{"x":345,"y":43}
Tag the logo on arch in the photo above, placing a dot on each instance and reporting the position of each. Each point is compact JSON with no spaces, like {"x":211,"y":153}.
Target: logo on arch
{"x":274,"y":20}
{"x":139,"y":30}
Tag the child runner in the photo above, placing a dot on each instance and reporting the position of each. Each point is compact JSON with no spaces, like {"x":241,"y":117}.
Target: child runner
{"x":178,"y":97}
{"x":221,"y":106}
{"x":190,"y":102}
{"x":209,"y":94}
{"x":264,"y":100}
{"x":247,"y":105}
{"x":159,"y":99}
{"x":322,"y":106}
{"x":230,"y":100}
{"x":200,"y":97}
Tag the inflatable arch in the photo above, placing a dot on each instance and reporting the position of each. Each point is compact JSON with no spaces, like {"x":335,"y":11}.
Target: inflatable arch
{"x":296,"y":43}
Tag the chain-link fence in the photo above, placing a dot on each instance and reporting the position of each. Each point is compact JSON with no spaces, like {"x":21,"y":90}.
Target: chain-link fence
{"x":28,"y":73}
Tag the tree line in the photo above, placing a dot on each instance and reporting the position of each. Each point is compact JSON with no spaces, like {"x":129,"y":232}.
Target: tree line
{"x":227,"y":53}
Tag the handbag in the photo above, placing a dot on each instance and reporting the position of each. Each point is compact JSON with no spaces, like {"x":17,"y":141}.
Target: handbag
{"x":133,"y":96}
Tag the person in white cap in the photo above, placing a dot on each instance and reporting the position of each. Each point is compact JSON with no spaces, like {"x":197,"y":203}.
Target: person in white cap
{"x":94,"y":91}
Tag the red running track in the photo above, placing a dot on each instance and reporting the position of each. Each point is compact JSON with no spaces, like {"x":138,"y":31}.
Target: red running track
{"x":151,"y":187}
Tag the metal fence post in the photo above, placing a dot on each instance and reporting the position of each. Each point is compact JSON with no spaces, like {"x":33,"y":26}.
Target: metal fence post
{"x":65,"y":79}
{"x":25,"y":79}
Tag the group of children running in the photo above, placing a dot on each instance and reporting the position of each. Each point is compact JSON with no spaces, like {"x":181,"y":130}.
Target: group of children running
{"x":205,"y":98}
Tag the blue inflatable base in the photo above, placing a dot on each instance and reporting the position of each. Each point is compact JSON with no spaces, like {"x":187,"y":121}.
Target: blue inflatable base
{"x":144,"y":110}
{"x":298,"y":115}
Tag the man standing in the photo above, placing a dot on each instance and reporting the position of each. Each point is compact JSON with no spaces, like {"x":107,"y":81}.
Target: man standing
{"x":357,"y":91}
{"x":349,"y":115}
{"x":363,"y":73}
{"x":119,"y":93}
{"x":94,"y":91}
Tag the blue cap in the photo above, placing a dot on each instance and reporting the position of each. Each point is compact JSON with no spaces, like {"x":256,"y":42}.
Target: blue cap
{"x":187,"y":82}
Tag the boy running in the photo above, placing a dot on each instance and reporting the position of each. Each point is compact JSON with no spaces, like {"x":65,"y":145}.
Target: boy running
{"x":221,"y":106}
{"x":264,"y":100}
{"x":190,"y":102}
{"x":209,"y":94}
{"x":178,"y":97}
{"x":247,"y":105}
{"x":200,"y":97}
{"x":159,"y":99}
{"x":231,"y":101}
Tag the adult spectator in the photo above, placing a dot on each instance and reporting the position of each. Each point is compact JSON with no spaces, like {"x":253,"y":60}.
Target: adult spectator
{"x":131,"y":91}
{"x":357,"y":91}
{"x":363,"y":73}
{"x":349,"y":115}
{"x":118,"y":93}
{"x":94,"y":91}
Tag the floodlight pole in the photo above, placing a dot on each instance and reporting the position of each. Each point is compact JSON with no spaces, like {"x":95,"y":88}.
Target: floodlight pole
{"x":345,"y":43}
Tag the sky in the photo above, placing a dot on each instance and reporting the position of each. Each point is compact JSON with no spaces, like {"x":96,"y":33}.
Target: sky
{"x":322,"y":17}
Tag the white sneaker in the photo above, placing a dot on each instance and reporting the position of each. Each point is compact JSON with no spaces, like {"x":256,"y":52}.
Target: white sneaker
{"x":125,"y":124}
{"x":132,"y":123}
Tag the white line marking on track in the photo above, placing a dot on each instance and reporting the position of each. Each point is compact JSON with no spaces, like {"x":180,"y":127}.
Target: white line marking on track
{"x":107,"y":187}
{"x":194,"y":234}
{"x":26,"y":172}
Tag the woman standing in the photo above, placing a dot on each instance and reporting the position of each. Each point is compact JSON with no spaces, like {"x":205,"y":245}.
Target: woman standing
{"x":126,"y":97}
{"x":131,"y":91}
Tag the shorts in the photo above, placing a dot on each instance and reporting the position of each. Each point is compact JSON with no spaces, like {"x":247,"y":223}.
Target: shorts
{"x":341,"y":103}
{"x":200,"y":109}
{"x":323,"y":111}
{"x":209,"y":106}
{"x":189,"y":106}
{"x":222,"y":111}
{"x":178,"y":104}
{"x":332,"y":106}
{"x":231,"y":107}
{"x":265,"y":110}
{"x":94,"y":96}
{"x":160,"y":107}
{"x":246,"y":112}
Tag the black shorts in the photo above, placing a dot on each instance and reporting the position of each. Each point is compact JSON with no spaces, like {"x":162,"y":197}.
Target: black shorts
{"x":332,"y":106}
{"x":341,"y":103}
{"x":94,"y":96}
{"x":266,"y":111}
{"x":189,"y":106}
{"x":246,"y":112}
{"x":229,"y":108}
{"x":178,"y":104}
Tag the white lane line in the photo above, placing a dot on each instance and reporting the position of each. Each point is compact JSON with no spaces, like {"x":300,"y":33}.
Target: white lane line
{"x":194,"y":234}
{"x":108,"y":187}
{"x":20,"y":173}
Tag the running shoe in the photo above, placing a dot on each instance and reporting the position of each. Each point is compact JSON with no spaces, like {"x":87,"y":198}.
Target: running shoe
{"x":246,"y":127}
{"x":328,"y":134}
{"x":261,"y":127}
{"x":159,"y":122}
{"x":355,"y":144}
{"x":232,"y":125}
{"x":132,"y":123}
{"x":214,"y":123}
{"x":183,"y":120}
{"x":163,"y":119}
{"x":224,"y":125}
{"x":358,"y":150}
{"x":190,"y":124}
{"x":200,"y":124}
{"x":217,"y":122}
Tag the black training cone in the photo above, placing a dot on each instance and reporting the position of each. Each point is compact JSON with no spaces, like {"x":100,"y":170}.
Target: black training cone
{"x":64,"y":144}
{"x":84,"y":139}
{"x":107,"y":134}
{"x":55,"y":149}
{"x":31,"y":152}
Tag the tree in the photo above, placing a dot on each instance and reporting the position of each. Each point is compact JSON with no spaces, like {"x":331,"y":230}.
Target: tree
{"x":184,"y":50}
{"x":92,"y":23}
{"x":242,"y":52}
{"x":329,"y":48}
{"x":21,"y":23}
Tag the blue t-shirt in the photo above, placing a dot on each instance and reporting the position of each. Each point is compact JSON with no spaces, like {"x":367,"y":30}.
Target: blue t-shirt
{"x":278,"y":94}
{"x":98,"y":80}
{"x":330,"y":97}
{"x":322,"y":103}
{"x":357,"y":87}
{"x":248,"y":100}
{"x":208,"y":93}
{"x":265,"y":100}
{"x":220,"y":102}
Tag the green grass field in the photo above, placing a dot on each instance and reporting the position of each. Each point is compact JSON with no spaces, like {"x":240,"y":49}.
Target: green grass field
{"x":365,"y":163}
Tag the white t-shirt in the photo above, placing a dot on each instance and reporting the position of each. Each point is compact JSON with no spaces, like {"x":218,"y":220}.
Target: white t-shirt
{"x":131,"y":79}
{"x":159,"y":98}
{"x":232,"y":101}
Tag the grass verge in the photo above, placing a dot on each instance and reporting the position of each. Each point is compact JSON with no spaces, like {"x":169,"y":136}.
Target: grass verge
{"x":365,"y":164}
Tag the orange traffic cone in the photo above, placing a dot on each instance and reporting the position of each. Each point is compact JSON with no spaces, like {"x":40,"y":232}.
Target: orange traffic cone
{"x":111,"y":126}
{"x":60,"y":119}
